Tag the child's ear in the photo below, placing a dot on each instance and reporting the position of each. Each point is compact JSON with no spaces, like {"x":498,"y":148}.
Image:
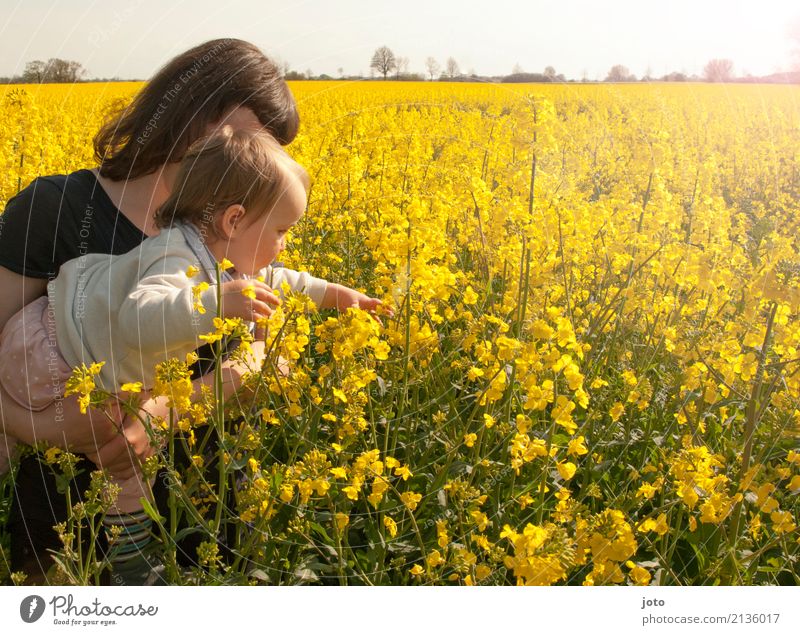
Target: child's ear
{"x":231,"y":219}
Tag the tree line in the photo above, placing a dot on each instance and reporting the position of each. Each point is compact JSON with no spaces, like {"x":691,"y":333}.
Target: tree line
{"x":386,"y":65}
{"x":384,"y":62}
{"x":52,"y":71}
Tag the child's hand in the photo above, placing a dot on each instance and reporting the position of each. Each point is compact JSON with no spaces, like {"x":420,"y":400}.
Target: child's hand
{"x":247,"y":299}
{"x":339,"y":297}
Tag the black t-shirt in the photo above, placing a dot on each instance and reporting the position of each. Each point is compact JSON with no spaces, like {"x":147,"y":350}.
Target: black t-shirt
{"x":58,"y":218}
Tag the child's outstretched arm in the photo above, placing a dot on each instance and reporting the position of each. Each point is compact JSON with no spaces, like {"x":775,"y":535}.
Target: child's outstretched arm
{"x":326,"y":295}
{"x":340,"y":297}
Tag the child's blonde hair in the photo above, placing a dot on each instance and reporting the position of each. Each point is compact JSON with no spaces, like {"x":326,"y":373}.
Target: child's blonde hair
{"x":230,"y":167}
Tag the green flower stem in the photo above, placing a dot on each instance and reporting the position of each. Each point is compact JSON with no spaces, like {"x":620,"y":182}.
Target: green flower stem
{"x":749,"y":435}
{"x":219,"y":399}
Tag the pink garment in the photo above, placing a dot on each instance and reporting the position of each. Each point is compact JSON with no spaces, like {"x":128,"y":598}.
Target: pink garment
{"x":32,"y":370}
{"x":33,"y":373}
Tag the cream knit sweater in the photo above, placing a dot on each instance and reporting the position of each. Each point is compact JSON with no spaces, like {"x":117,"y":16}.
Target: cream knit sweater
{"x":135,"y":310}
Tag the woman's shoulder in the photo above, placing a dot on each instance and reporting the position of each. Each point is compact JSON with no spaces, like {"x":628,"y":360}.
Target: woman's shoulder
{"x":59,"y":181}
{"x":84,"y":176}
{"x":51,"y":193}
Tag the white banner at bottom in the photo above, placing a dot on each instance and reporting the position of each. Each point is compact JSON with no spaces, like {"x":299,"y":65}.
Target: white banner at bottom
{"x":399,"y":610}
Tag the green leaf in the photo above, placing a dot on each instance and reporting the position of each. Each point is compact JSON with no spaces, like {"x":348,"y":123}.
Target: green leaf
{"x":151,"y":511}
{"x":321,"y":531}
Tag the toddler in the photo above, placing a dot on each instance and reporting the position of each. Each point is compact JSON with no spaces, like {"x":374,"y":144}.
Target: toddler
{"x":236,"y":196}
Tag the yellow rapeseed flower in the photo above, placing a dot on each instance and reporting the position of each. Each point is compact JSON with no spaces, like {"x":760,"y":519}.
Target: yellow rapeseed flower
{"x":410,"y":499}
{"x":249,"y":292}
{"x":566,"y":470}
{"x":434,"y":558}
{"x":197,"y":290}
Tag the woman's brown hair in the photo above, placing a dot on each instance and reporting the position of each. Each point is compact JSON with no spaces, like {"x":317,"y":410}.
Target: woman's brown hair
{"x":189,"y":93}
{"x":231,"y":167}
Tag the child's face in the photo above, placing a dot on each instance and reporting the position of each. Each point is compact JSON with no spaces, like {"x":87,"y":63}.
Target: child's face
{"x":256,"y":244}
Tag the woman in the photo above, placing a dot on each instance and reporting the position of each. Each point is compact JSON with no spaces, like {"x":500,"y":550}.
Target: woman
{"x":110,"y":210}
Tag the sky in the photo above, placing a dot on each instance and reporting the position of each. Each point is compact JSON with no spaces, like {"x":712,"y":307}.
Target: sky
{"x":131,"y":39}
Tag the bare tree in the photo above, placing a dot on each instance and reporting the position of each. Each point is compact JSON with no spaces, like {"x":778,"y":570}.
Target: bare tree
{"x":718,"y":70}
{"x":383,"y":61}
{"x":433,"y":66}
{"x":550,"y":73}
{"x":402,"y":66}
{"x":34,"y":72}
{"x":517,"y":69}
{"x":620,"y":73}
{"x":53,"y":71}
{"x":282,"y":65}
{"x":452,"y":69}
{"x":340,"y":70}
